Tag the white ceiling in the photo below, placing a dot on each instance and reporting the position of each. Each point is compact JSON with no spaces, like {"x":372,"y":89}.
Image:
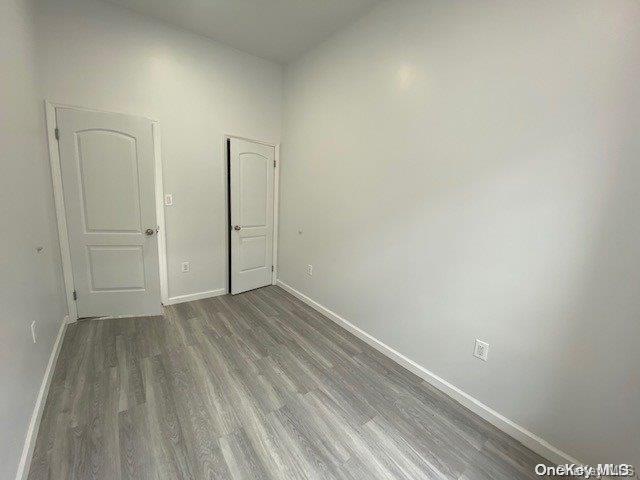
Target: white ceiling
{"x":278,"y":30}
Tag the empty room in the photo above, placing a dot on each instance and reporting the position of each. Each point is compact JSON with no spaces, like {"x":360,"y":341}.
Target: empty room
{"x":319,"y":239}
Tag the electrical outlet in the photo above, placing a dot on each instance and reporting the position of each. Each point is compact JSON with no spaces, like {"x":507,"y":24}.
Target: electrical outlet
{"x":168,"y":199}
{"x":33,"y":331}
{"x":310,"y":270}
{"x":186,"y":266}
{"x":481,"y":350}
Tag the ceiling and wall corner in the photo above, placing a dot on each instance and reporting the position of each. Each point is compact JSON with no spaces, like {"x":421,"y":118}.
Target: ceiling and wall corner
{"x":278,"y":30}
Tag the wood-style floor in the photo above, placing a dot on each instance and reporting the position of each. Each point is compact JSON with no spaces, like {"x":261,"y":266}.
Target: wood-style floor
{"x":255,"y":386}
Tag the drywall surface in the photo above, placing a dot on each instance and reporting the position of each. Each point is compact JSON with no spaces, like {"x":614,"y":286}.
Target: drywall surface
{"x":466,"y":170}
{"x":102,"y":56}
{"x":31,"y":286}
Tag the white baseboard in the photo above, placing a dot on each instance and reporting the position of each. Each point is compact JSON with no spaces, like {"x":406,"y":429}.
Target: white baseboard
{"x":38,"y":409}
{"x":195,"y":296}
{"x":511,"y":428}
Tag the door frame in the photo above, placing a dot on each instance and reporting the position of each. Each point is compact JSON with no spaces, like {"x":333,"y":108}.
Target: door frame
{"x":61,"y":216}
{"x":276,"y":201}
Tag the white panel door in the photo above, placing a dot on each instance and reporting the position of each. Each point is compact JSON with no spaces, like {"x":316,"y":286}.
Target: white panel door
{"x":107,"y":166}
{"x":252,"y":175}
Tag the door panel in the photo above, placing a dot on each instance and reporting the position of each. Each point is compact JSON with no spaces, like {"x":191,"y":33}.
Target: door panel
{"x":253,"y":184}
{"x":252,"y":176}
{"x":116,"y":267}
{"x":107,"y":166}
{"x":253,"y":252}
{"x":109,"y":172}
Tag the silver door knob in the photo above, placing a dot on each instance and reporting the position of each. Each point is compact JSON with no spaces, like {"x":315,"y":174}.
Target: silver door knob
{"x":237,"y":227}
{"x":149,"y":231}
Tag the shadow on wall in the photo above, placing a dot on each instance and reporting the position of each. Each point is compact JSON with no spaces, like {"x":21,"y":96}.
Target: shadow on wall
{"x":600,"y":364}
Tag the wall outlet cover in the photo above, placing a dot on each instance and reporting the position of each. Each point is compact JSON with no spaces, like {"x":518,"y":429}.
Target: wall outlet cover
{"x":310,"y":270}
{"x":186,"y":266}
{"x":168,"y":199}
{"x":481,"y":350}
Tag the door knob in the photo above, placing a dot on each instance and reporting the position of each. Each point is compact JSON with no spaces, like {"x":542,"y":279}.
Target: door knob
{"x":237,"y":227}
{"x":149,"y":231}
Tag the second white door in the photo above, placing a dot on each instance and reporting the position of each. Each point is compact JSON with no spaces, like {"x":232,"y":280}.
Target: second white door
{"x":251,"y":171}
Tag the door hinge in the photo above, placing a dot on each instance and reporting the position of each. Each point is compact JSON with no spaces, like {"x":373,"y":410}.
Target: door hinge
{"x":75,"y":295}
{"x":272,"y":268}
{"x":57,"y":133}
{"x":274,"y":164}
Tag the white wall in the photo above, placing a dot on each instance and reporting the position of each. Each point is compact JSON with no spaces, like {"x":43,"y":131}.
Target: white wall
{"x":31,"y":286}
{"x":97,"y":55}
{"x":467,"y":170}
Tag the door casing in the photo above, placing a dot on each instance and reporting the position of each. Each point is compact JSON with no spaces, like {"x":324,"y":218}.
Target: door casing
{"x":276,"y":201}
{"x":56,"y":177}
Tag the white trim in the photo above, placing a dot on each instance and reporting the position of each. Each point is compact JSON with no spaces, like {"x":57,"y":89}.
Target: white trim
{"x":38,"y":409}
{"x":276,"y":199}
{"x":98,"y":110}
{"x":127,"y":315}
{"x":530,"y":440}
{"x":276,"y":214}
{"x":248,"y":139}
{"x":196,"y":296}
{"x":162,"y":230}
{"x":58,"y":194}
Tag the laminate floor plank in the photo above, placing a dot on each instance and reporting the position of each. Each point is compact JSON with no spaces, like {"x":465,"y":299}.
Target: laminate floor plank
{"x":251,"y":387}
